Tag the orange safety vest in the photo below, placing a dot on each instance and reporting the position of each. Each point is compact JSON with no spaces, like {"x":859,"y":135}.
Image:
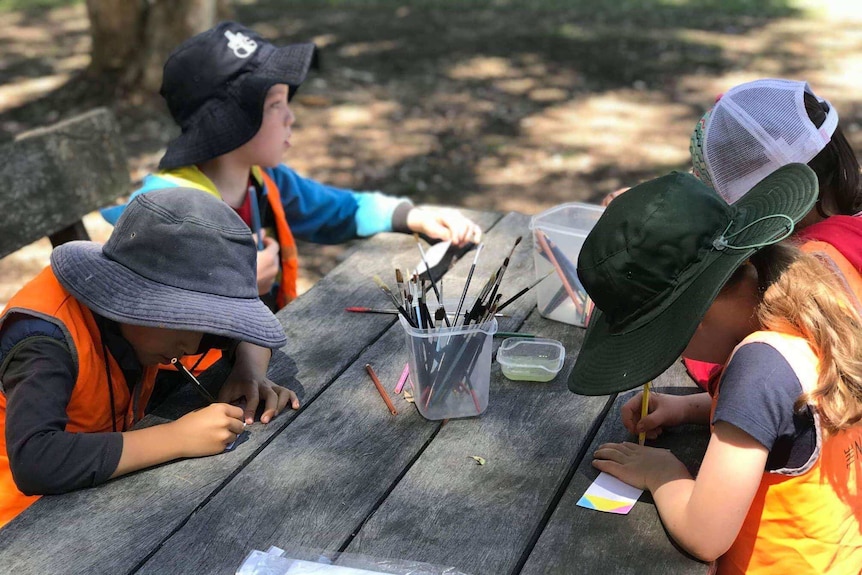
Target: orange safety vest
{"x":191,"y":176}
{"x":806,"y":520}
{"x":89,"y":408}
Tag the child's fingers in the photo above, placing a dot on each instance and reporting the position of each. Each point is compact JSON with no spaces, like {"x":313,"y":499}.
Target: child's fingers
{"x":270,"y":408}
{"x":252,"y":399}
{"x":630,"y":413}
{"x":235,"y":426}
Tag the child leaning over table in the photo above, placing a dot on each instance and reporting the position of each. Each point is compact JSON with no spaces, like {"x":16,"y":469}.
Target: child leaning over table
{"x":779,"y":487}
{"x":228,"y":89}
{"x":757,"y":127}
{"x":80,"y":343}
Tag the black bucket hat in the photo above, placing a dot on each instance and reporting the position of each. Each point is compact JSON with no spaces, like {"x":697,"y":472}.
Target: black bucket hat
{"x":215,"y":85}
{"x":178,"y":258}
{"x":658,"y":257}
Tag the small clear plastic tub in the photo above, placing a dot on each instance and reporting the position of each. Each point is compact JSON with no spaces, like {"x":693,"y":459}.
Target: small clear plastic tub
{"x":531,"y":359}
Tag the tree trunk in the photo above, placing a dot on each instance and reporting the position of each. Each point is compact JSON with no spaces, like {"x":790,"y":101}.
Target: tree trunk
{"x":132,"y":38}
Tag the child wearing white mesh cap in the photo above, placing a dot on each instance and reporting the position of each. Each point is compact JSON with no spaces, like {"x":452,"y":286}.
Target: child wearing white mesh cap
{"x":757,"y":127}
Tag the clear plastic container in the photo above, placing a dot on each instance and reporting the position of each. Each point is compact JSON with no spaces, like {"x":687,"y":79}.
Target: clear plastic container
{"x":531,"y":359}
{"x":558,"y":235}
{"x":450,"y":368}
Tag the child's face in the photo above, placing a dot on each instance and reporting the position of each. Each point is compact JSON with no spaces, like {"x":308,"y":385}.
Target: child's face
{"x":272,"y":140}
{"x":155,"y":345}
{"x":730,"y":318}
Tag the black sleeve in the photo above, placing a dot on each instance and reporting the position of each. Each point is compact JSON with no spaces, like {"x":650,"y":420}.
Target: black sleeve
{"x":757,"y":394}
{"x":44,"y":458}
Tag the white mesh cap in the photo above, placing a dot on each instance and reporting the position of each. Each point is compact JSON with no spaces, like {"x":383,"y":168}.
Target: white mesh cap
{"x":756,"y":128}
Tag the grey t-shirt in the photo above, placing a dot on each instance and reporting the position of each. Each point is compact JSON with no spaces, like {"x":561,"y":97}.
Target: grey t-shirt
{"x":757,"y":394}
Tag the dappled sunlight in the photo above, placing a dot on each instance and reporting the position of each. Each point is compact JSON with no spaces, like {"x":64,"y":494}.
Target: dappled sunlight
{"x":488,"y":109}
{"x":482,"y":68}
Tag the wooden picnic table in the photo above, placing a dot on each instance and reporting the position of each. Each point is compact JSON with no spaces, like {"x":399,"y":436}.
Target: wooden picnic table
{"x":343,"y":474}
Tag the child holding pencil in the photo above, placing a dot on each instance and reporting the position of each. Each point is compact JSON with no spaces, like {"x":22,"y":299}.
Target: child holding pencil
{"x":80,"y":345}
{"x":673,"y":269}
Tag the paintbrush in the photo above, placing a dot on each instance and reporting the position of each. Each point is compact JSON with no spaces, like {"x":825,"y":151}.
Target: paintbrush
{"x":442,"y":309}
{"x":193,"y":380}
{"x":503,"y":269}
{"x":399,"y":281}
{"x":467,"y":283}
{"x":385,"y":289}
{"x":523,"y":291}
{"x":362,"y":309}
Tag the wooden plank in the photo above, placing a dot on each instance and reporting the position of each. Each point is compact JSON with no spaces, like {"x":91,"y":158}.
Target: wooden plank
{"x":481,"y":518}
{"x":53,"y":176}
{"x":322,"y":342}
{"x":318,"y":480}
{"x":578,"y":540}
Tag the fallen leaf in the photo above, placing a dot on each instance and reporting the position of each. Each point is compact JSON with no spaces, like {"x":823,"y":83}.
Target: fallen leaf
{"x":479,"y":460}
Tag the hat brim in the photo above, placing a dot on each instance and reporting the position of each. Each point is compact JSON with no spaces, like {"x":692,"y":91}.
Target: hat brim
{"x":116,"y":292}
{"x":614,"y":362}
{"x":222,"y":125}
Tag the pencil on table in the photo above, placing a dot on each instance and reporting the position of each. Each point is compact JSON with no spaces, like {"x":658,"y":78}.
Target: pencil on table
{"x":644,"y":411}
{"x":380,"y":389}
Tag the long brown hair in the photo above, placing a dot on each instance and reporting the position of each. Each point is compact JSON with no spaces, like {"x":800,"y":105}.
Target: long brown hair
{"x":805,"y":295}
{"x":836,"y":166}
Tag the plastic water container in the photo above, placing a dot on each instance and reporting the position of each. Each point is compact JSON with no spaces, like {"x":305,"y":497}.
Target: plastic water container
{"x":450,"y":368}
{"x":531,"y":359}
{"x":558,"y":235}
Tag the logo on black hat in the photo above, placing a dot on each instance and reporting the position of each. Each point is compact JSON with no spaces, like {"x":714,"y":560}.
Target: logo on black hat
{"x":242,"y":45}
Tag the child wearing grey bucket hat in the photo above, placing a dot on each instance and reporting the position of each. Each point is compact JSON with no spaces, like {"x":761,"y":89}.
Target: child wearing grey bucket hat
{"x":673,"y":269}
{"x":80,"y":345}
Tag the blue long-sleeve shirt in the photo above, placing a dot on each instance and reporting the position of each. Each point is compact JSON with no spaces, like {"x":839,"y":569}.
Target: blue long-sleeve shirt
{"x":315,"y":212}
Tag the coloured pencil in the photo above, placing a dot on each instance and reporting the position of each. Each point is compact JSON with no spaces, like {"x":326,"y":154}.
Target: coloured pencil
{"x":403,"y":379}
{"x":540,"y":236}
{"x":381,"y":389}
{"x":644,"y":411}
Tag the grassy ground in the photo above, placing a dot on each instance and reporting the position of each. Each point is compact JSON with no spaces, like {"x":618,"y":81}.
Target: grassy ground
{"x":507,"y":104}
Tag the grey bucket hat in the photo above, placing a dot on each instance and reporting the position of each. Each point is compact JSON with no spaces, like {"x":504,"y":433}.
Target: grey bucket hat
{"x":178,"y":258}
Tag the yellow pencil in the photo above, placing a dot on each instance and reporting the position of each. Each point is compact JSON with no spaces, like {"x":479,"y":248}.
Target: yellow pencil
{"x":644,"y":411}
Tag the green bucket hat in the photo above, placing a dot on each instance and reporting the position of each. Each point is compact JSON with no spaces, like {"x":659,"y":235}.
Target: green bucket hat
{"x":658,"y":257}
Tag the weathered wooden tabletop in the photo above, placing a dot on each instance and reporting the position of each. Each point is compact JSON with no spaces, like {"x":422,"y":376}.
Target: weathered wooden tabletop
{"x":343,"y":474}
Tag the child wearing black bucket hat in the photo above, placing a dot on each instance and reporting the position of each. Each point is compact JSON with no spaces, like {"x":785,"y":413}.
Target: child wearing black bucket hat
{"x":673,"y":269}
{"x":80,"y":345}
{"x":229,"y":90}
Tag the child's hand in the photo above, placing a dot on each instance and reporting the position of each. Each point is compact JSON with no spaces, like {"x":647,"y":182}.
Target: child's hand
{"x":275,"y":397}
{"x":444,"y":224}
{"x":663,"y":411}
{"x":209,"y":430}
{"x":267,"y":264}
{"x":610,"y":197}
{"x":639,"y":466}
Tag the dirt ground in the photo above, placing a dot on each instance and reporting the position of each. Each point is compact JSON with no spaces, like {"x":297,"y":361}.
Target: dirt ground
{"x":496,"y":104}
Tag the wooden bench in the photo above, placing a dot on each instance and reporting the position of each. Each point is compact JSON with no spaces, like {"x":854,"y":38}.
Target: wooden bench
{"x":53,"y":176}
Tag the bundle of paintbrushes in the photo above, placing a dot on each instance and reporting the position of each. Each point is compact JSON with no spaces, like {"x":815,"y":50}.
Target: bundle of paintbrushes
{"x":449,"y":341}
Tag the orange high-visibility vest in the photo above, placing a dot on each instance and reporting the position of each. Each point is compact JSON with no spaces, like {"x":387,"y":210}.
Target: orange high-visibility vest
{"x":804,"y":521}
{"x":191,"y":176}
{"x":89,"y":409}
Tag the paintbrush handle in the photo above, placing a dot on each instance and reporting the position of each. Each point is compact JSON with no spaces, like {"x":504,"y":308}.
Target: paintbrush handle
{"x":193,"y":380}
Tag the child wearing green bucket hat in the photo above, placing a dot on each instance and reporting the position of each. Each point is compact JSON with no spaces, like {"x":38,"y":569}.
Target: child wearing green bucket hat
{"x":675,"y":270}
{"x":80,"y":345}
